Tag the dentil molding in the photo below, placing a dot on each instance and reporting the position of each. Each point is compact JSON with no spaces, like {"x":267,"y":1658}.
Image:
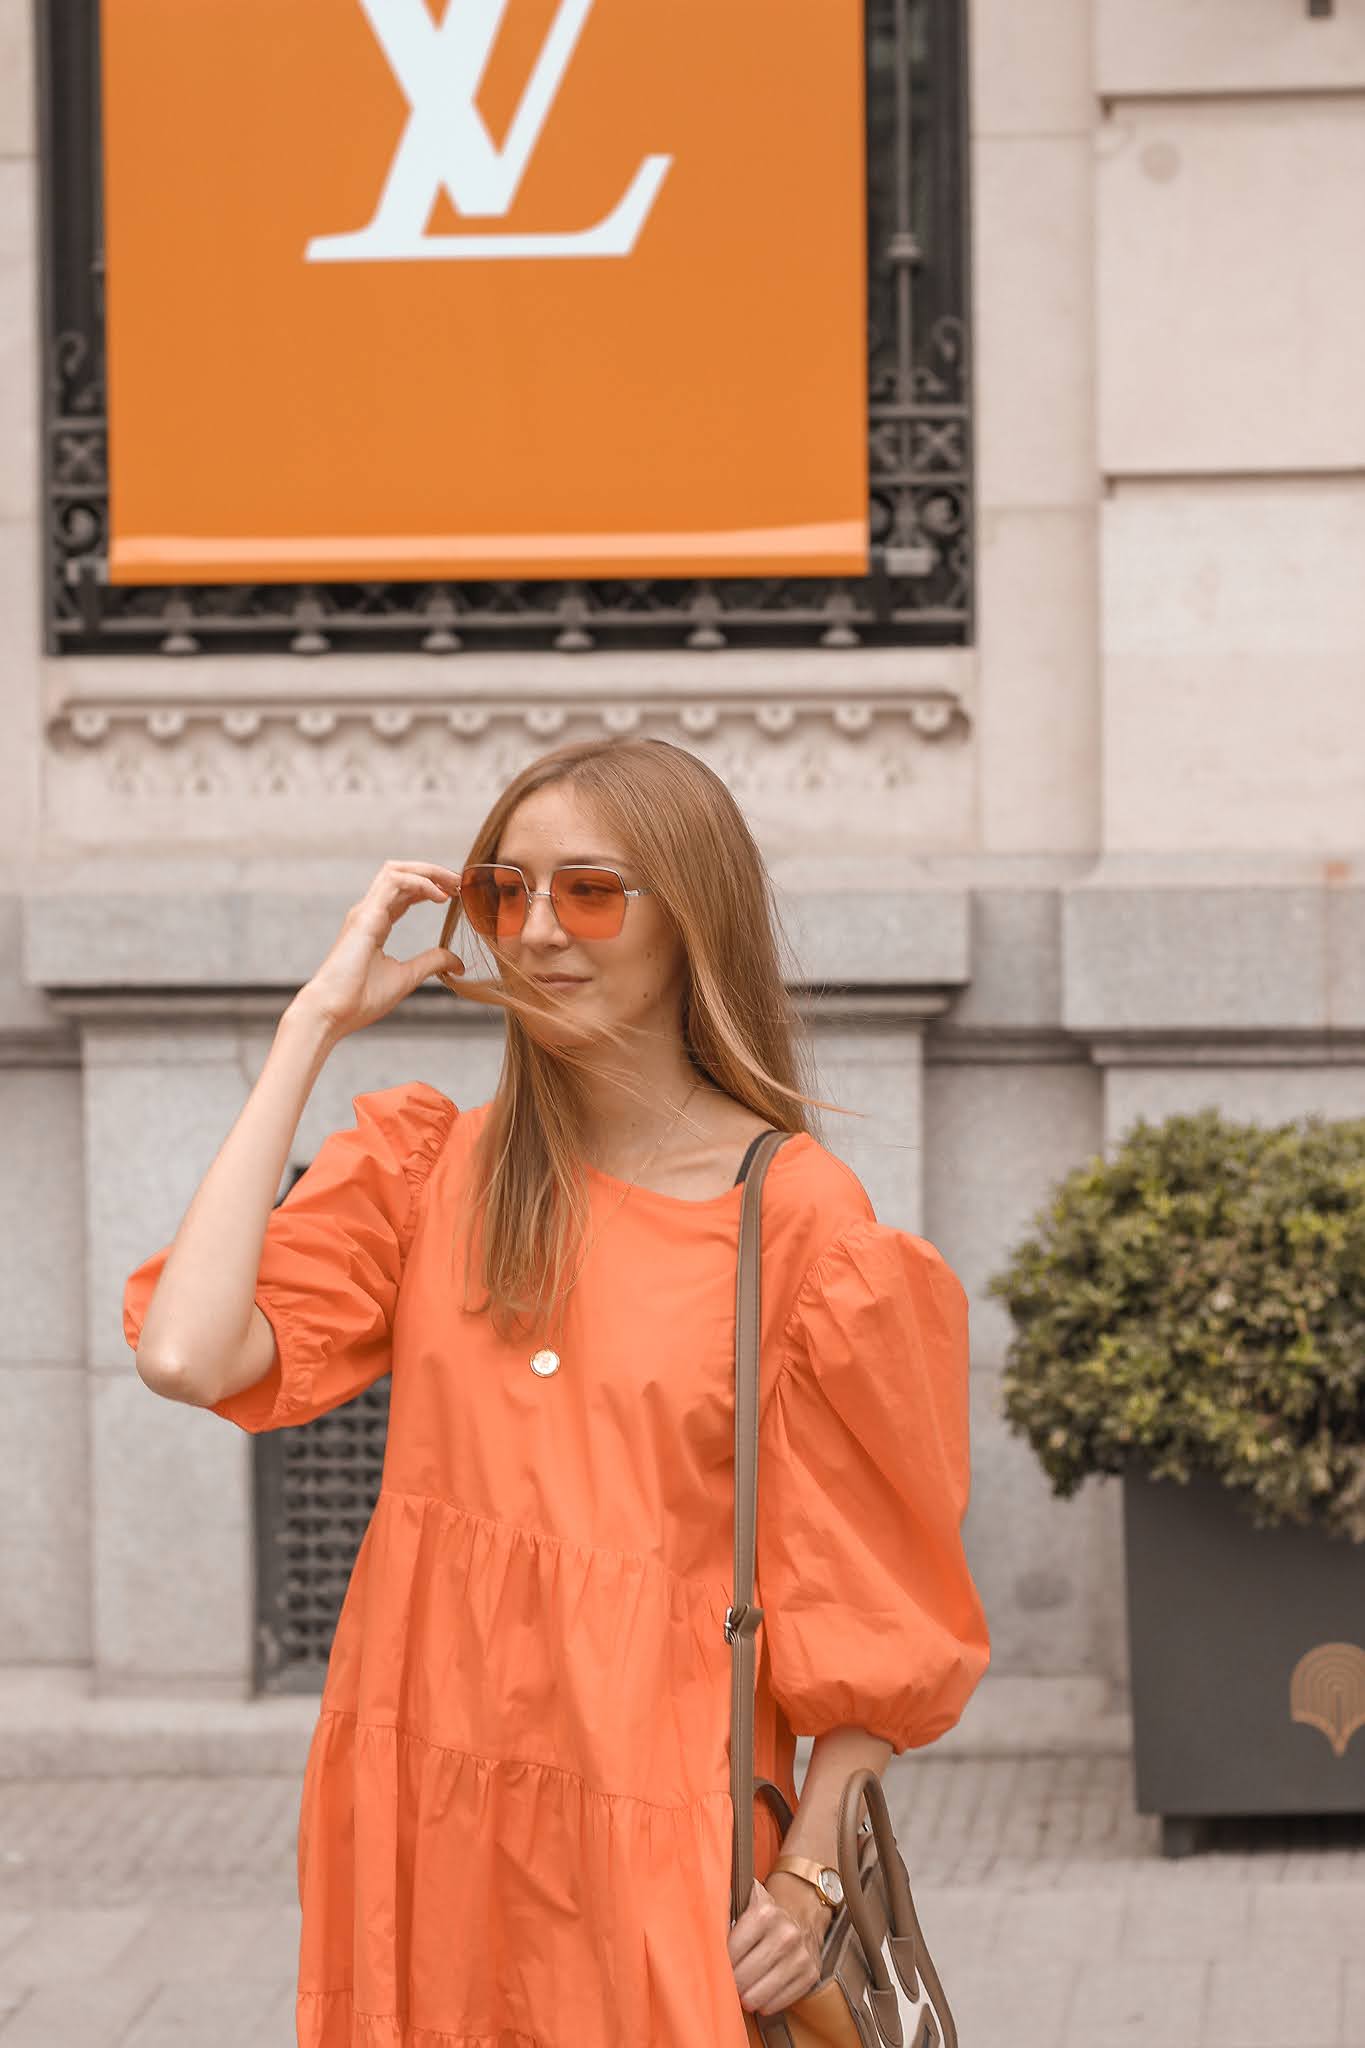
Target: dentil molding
{"x":930,"y":714}
{"x":224,"y":745}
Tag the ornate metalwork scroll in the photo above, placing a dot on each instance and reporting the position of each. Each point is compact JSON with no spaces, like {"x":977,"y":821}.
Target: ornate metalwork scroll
{"x":920,"y":585}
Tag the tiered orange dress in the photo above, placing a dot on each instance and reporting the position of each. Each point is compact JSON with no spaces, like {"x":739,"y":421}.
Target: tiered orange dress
{"x":515,"y":1820}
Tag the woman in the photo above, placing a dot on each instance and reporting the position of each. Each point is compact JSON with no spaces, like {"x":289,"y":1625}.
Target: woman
{"x":515,"y":1820}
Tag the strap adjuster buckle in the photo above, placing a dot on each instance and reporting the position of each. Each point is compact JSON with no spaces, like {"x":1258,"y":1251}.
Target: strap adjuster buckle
{"x":742,"y":1621}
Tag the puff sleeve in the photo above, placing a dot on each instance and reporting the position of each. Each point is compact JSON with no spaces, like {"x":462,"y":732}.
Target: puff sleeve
{"x":870,"y":1612}
{"x":332,"y":1260}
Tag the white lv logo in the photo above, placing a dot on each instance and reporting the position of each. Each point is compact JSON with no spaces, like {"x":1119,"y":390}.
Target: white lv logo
{"x":447,"y":144}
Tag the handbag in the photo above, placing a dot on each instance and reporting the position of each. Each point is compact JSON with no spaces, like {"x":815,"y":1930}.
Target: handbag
{"x":878,"y":1987}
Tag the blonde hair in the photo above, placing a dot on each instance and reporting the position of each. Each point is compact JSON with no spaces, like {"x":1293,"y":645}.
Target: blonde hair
{"x":688,"y":839}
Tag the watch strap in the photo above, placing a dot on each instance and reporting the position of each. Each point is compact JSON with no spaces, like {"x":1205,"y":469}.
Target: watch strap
{"x":806,"y":1867}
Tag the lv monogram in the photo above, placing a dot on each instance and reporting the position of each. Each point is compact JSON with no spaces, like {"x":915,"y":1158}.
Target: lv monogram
{"x":447,"y":145}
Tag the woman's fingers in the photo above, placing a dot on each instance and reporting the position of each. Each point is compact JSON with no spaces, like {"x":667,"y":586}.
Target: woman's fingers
{"x":437,"y":960}
{"x":400,"y":884}
{"x":770,"y":1955}
{"x":446,"y":880}
{"x":394,"y":883}
{"x":359,"y":981}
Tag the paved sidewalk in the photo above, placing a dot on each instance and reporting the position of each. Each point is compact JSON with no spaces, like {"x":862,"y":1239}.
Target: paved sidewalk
{"x":148,"y":1912}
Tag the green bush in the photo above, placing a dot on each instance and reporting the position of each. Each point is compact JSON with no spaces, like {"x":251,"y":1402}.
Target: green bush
{"x":1197,"y":1302}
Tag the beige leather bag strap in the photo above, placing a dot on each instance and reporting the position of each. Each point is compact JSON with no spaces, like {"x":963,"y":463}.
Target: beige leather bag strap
{"x":742,"y":1618}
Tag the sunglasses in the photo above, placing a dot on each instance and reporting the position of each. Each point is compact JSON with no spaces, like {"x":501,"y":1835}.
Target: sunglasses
{"x":590,"y":903}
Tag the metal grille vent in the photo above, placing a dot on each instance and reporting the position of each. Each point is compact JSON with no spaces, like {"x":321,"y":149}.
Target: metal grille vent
{"x":315,"y":1490}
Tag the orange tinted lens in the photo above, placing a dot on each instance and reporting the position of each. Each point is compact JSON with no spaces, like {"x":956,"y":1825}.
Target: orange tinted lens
{"x":494,"y":901}
{"x":590,"y":903}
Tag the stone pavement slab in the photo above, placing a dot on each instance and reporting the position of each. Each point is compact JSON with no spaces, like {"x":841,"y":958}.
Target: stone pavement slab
{"x":90,"y":2013}
{"x":1266,"y":2000}
{"x":184,"y":1944}
{"x":1311,"y":1916}
{"x":1082,"y":1925}
{"x":67,"y":1943}
{"x":1121,"y":2002}
{"x":221,"y":2012}
{"x":1213,"y":1919}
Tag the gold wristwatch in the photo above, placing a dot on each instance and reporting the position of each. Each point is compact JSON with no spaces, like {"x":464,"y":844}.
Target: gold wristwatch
{"x":825,"y":1879}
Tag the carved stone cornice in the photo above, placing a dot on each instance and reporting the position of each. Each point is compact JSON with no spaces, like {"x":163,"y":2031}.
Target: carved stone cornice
{"x":59,"y":1047}
{"x":783,"y":731}
{"x":117,"y":1008}
{"x":545,"y":717}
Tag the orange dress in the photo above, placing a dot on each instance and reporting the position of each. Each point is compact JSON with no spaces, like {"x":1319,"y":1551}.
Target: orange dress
{"x":514,"y":1828}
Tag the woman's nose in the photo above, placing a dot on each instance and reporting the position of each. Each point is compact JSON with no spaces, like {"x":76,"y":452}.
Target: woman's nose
{"x":540,"y":907}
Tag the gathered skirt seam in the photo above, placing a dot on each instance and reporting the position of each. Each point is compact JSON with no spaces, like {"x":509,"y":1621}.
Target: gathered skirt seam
{"x":441,"y":2033}
{"x":527,"y":1763}
{"x":715,"y":1594}
{"x":394,"y":2019}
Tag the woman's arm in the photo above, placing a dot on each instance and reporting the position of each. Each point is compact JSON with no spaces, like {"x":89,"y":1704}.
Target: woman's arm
{"x":833,"y":1759}
{"x":775,"y":1943}
{"x":204,"y":1337}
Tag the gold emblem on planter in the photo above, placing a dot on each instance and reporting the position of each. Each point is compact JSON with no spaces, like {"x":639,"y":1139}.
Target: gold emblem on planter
{"x":543,"y":1363}
{"x":1327,"y":1690}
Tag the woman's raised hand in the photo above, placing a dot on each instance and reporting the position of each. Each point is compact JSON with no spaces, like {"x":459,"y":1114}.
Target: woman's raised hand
{"x":358,"y":982}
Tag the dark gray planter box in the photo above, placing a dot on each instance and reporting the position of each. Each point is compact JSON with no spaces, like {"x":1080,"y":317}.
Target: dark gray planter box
{"x":1235,"y":1634}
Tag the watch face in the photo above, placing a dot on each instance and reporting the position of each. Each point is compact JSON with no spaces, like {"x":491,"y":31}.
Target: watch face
{"x":831,"y":1884}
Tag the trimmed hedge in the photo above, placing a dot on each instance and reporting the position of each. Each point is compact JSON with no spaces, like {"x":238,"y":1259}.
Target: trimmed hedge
{"x":1197,"y":1302}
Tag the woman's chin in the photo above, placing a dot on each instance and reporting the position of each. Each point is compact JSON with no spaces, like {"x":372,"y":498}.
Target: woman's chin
{"x":555,"y":1027}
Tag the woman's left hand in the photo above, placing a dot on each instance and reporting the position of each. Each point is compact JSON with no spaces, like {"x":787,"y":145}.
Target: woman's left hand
{"x":775,"y":1947}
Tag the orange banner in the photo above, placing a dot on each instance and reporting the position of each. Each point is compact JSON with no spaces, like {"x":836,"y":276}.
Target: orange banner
{"x":494,"y":288}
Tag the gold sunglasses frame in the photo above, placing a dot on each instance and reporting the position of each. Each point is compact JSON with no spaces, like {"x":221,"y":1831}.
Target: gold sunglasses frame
{"x":575,"y":867}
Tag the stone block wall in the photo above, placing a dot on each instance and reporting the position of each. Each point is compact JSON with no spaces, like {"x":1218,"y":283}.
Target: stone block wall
{"x":1104,"y":862}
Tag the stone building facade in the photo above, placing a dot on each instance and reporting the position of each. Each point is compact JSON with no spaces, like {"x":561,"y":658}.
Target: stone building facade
{"x":1108,"y":856}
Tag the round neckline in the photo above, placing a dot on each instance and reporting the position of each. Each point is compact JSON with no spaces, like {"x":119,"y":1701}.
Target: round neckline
{"x":733,"y":1193}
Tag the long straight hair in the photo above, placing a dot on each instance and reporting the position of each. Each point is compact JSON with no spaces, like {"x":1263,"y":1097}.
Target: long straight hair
{"x":688,"y":839}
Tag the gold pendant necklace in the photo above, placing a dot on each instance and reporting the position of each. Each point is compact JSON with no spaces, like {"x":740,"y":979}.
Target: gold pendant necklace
{"x":545,"y":1362}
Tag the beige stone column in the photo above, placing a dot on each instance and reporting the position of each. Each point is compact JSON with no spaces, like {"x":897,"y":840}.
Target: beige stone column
{"x":171,"y":1519}
{"x":1033,"y":115}
{"x":170,"y":1497}
{"x":1230,"y":322}
{"x":44,"y":1422}
{"x":873,"y":1065}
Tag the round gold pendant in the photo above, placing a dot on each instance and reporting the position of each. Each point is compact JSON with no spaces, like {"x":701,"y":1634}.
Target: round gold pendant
{"x":544,"y":1363}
